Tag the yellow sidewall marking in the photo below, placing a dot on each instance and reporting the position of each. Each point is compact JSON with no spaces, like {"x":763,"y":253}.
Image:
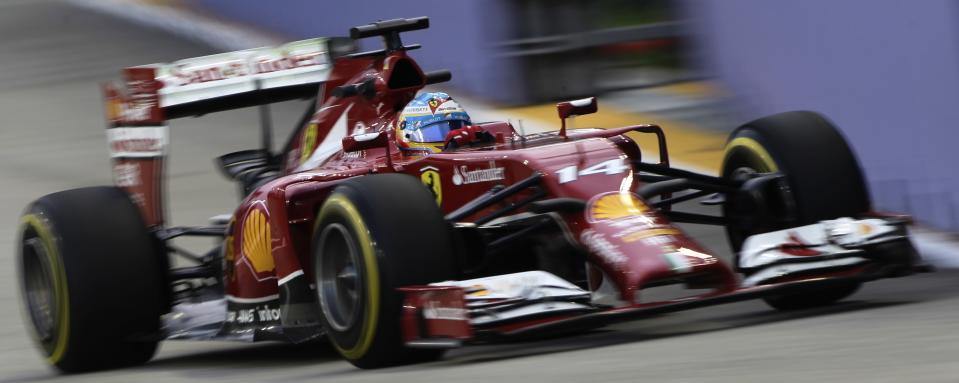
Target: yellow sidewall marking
{"x":755,"y":147}
{"x":371,"y":314}
{"x":60,"y":285}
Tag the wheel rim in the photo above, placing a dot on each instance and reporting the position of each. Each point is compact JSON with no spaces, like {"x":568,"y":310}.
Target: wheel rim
{"x":742,"y":164}
{"x":38,"y":286}
{"x":340,"y":289}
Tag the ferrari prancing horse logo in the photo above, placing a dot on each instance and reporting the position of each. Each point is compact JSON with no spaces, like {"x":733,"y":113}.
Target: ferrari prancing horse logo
{"x":434,"y":103}
{"x":431,"y":178}
{"x":308,"y":142}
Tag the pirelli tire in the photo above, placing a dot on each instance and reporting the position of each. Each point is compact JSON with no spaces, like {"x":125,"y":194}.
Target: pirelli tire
{"x":92,"y":280}
{"x":374,"y":234}
{"x":823,"y":177}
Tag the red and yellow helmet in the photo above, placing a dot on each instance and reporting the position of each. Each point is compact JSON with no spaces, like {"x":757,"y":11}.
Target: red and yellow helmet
{"x":427,"y":119}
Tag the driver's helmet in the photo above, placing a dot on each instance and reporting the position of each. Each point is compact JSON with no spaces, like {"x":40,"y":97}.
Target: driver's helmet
{"x":427,"y":119}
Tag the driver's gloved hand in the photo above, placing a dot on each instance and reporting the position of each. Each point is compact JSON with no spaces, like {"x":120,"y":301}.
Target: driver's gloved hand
{"x":465,"y":136}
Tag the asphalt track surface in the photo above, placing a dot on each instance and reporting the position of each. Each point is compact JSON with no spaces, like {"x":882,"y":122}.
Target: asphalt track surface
{"x":53,"y":56}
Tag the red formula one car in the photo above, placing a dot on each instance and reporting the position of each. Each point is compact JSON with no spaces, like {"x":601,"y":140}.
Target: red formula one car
{"x":396,"y":254}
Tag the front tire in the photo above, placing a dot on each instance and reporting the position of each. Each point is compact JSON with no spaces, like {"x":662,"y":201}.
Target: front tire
{"x":823,"y":178}
{"x":373,"y":235}
{"x":92,"y":280}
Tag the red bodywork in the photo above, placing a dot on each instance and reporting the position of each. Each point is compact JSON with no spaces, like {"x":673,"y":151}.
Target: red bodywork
{"x":629,"y":244}
{"x":585,"y":181}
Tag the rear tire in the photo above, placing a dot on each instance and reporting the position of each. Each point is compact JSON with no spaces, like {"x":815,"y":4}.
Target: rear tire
{"x":92,"y":280}
{"x":373,"y":235}
{"x":823,"y":177}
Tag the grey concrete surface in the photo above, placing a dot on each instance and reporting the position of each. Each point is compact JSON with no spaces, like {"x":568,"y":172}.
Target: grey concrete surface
{"x":51,"y":59}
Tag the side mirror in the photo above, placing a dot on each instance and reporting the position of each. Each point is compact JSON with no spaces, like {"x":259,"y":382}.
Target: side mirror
{"x":576,"y":107}
{"x":365,"y":141}
{"x":573,"y":108}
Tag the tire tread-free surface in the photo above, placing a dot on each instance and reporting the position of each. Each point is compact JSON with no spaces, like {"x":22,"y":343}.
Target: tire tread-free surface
{"x":412,"y":245}
{"x":823,"y":175}
{"x":115,"y":277}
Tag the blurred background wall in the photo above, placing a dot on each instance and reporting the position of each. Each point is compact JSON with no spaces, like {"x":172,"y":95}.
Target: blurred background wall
{"x":460,"y":38}
{"x":885,"y":71}
{"x":508,"y":51}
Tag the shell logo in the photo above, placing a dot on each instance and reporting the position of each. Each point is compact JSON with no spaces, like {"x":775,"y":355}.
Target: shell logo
{"x":114,"y":109}
{"x":616,"y":206}
{"x":257,"y":241}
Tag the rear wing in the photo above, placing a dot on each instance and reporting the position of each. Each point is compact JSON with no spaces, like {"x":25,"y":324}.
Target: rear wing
{"x":138,"y":107}
{"x":201,"y":85}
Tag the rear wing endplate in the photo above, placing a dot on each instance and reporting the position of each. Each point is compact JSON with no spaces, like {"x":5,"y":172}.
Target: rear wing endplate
{"x":138,"y":107}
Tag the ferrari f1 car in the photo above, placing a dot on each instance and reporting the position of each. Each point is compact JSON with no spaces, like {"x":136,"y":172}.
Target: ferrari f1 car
{"x":395,"y":255}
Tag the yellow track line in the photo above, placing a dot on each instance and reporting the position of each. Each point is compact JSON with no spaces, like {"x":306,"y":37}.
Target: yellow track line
{"x":692,"y":89}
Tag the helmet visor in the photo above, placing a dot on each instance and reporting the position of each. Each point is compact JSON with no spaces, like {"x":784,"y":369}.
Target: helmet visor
{"x":434,"y":132}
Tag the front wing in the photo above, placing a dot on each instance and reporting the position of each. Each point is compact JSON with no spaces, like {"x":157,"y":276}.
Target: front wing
{"x":451,"y":313}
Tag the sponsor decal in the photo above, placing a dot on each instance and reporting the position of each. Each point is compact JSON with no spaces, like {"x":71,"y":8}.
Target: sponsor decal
{"x":139,"y":142}
{"x":184,"y":74}
{"x":126,"y":174}
{"x":599,"y":245}
{"x":354,"y":155}
{"x":322,"y":150}
{"x":616,"y":207}
{"x":118,"y":110}
{"x":609,"y":167}
{"x":258,"y":314}
{"x":663,"y":241}
{"x":462,"y":175}
{"x":430,"y":177}
{"x":288,"y":61}
{"x":649,"y":236}
{"x":192,"y":72}
{"x":434,"y":103}
{"x":433,"y":310}
{"x":138,"y":111}
{"x":416,"y":110}
{"x":308,"y":142}
{"x":257,"y":241}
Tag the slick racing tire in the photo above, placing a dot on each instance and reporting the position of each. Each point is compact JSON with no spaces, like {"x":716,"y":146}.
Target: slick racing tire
{"x":92,"y":280}
{"x":823,"y":181}
{"x":374,"y":234}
